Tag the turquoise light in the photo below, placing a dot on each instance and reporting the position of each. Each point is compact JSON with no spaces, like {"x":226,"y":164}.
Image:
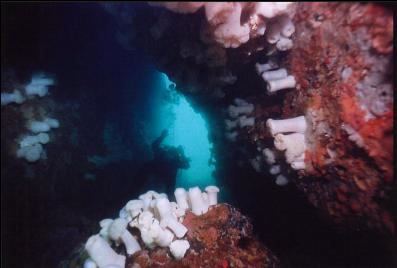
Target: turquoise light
{"x":189,"y":129}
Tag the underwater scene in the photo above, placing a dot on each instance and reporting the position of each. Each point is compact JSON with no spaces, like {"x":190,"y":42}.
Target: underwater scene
{"x":197,"y":134}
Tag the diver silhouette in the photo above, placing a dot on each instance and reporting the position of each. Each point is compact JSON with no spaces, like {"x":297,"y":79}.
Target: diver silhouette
{"x":159,"y":174}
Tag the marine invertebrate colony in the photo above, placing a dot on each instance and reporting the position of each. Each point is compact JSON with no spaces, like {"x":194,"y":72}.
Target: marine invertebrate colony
{"x":157,"y":220}
{"x":163,"y":224}
{"x":224,"y":20}
{"x":340,"y":120}
{"x":296,"y":100}
{"x":326,"y":86}
{"x":31,"y":145}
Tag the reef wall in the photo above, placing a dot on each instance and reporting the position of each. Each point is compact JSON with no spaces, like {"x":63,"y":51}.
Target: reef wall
{"x":342,"y":61}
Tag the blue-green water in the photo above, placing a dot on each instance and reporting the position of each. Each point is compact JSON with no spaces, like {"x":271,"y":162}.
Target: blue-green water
{"x":188,"y":128}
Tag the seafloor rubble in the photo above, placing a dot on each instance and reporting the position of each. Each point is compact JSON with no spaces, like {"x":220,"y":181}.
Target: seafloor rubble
{"x":222,"y":237}
{"x":341,"y":59}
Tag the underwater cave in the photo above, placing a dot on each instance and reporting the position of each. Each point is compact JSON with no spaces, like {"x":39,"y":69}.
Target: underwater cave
{"x":197,"y":134}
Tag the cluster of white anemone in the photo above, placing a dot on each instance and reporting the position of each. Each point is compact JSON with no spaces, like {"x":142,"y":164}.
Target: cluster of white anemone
{"x":31,"y":144}
{"x":159,"y":222}
{"x":289,"y":136}
{"x":272,"y":159}
{"x":224,"y":21}
{"x":238,"y":118}
{"x":280,"y":33}
{"x":276,"y":78}
{"x":37,"y":86}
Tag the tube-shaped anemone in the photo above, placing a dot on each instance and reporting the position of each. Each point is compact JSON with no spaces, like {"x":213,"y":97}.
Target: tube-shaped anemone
{"x":256,"y":164}
{"x":231,"y":33}
{"x":297,"y":165}
{"x":157,"y":195}
{"x":42,"y":138}
{"x":212,"y":192}
{"x":100,"y":251}
{"x":163,"y":206}
{"x":240,"y":102}
{"x":243,"y":121}
{"x":231,"y":136}
{"x":104,"y":224}
{"x":123,"y":213}
{"x":134,"y":207}
{"x":143,"y":221}
{"x":271,"y":9}
{"x":288,"y":29}
{"x":52,"y":122}
{"x":217,"y":12}
{"x":300,"y":158}
{"x":31,"y":153}
{"x":229,"y":124}
{"x":270,"y":156}
{"x":181,"y":198}
{"x":175,"y":226}
{"x":284,"y":44}
{"x":295,"y":124}
{"x":162,"y":237}
{"x":167,"y":220}
{"x":146,"y":198}
{"x":293,"y":144}
{"x":89,"y":263}
{"x":205,"y":198}
{"x":178,"y":248}
{"x":283,"y":142}
{"x":118,"y":231}
{"x":196,"y":200}
{"x":177,"y":212}
{"x":275,"y":85}
{"x":281,"y":180}
{"x":260,"y":68}
{"x":235,"y":111}
{"x":275,"y":169}
{"x":16,"y":97}
{"x":153,"y":208}
{"x":39,"y":85}
{"x":147,"y":238}
{"x":38,"y":126}
{"x":275,"y":75}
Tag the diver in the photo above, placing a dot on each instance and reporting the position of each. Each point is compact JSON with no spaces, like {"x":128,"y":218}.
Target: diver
{"x":160,"y":173}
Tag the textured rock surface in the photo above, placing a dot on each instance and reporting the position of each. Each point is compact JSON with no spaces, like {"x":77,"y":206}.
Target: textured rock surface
{"x":343,"y":64}
{"x":220,"y":238}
